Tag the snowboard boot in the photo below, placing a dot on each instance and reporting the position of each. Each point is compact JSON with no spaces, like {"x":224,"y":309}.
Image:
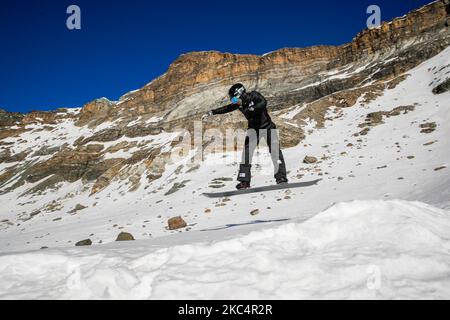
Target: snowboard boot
{"x":243,"y":185}
{"x":282,"y":180}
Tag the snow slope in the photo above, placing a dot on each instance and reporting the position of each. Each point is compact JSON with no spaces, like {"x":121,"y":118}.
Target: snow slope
{"x":328,"y":254}
{"x":355,"y":250}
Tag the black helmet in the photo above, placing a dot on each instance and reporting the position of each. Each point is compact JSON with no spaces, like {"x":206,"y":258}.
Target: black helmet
{"x":236,"y":90}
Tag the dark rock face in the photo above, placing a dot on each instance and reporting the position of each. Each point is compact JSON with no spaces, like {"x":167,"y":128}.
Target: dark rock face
{"x":9,"y":118}
{"x":104,"y":136}
{"x":45,"y":151}
{"x":114,"y":134}
{"x":70,"y":165}
{"x":443,"y":87}
{"x":96,"y":169}
{"x":6,"y":157}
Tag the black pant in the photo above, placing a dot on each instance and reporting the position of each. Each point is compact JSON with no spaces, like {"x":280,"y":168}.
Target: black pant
{"x":251,"y":142}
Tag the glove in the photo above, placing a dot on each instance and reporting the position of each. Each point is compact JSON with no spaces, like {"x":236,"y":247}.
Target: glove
{"x":207,"y":115}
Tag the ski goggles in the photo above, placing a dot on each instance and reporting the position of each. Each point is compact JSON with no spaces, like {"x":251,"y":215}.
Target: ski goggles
{"x":235,"y":100}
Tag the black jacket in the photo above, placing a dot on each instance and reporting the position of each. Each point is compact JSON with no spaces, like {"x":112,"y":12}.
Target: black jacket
{"x":254,"y":108}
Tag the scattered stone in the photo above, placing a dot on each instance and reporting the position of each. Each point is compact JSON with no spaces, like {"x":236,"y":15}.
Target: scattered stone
{"x":194,"y":168}
{"x":57,"y":219}
{"x":83,"y":243}
{"x":411,"y":157}
{"x":176,"y":186}
{"x":364,"y":132}
{"x":340,"y":178}
{"x":207,"y":210}
{"x":443,"y":87}
{"x":221,"y":205}
{"x":440,"y":168}
{"x":429,"y":143}
{"x":176,"y":223}
{"x":254,"y":212}
{"x":222,"y":179}
{"x":43,"y":248}
{"x":310,"y":160}
{"x":77,"y":208}
{"x":382,"y":167}
{"x":125,"y":236}
{"x":428,"y":127}
{"x":374,"y":118}
{"x":217,"y":186}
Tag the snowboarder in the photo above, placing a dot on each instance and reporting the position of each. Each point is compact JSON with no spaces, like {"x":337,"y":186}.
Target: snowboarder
{"x":253,"y":106}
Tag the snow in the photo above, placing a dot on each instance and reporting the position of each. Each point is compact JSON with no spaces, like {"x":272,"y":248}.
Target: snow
{"x":154,"y":120}
{"x":335,"y":74}
{"x":289,"y":115}
{"x":355,"y":250}
{"x":376,"y":226}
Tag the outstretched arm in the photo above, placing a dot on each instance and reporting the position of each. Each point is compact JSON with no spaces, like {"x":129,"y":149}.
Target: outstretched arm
{"x":222,"y":110}
{"x":226,"y":109}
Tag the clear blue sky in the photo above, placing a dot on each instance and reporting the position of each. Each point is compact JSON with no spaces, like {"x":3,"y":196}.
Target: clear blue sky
{"x":125,"y":44}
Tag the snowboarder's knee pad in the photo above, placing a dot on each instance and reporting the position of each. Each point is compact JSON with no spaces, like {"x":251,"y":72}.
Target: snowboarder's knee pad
{"x":245,"y":173}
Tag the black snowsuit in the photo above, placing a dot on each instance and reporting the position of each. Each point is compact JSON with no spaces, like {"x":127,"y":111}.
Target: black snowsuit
{"x":260,"y":125}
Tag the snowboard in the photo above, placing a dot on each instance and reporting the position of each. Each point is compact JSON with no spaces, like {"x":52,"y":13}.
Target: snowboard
{"x":262,"y":189}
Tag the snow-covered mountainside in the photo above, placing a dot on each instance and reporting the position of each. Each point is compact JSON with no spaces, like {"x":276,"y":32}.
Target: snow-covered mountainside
{"x":374,"y":129}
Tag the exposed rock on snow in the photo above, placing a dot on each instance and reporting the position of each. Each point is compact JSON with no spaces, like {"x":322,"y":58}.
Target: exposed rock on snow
{"x":443,"y":87}
{"x":176,"y":223}
{"x":428,"y":127}
{"x":310,"y":160}
{"x":83,"y":243}
{"x":125,"y":236}
{"x":376,"y":118}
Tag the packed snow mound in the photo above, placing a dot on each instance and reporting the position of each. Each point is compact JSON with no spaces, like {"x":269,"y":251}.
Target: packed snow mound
{"x":355,"y":250}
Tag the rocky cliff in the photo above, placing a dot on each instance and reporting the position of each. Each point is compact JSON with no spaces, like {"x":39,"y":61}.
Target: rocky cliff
{"x":196,"y":81}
